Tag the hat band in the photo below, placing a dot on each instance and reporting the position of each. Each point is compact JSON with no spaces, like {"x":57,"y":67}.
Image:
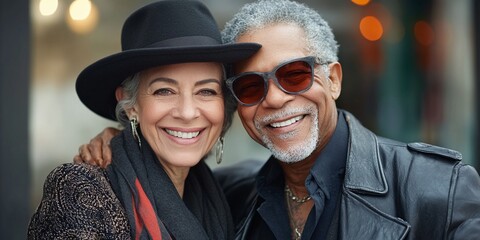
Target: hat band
{"x":189,"y":41}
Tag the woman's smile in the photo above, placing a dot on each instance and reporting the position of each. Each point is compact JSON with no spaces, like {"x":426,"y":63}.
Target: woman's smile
{"x":184,"y":137}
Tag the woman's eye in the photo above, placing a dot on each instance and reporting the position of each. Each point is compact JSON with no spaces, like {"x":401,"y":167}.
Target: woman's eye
{"x":163,"y":92}
{"x":207,"y":92}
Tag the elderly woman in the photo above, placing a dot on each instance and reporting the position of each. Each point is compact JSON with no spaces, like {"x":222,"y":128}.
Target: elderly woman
{"x":167,"y":88}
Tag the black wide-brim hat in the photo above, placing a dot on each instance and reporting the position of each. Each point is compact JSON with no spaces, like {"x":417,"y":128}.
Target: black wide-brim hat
{"x":161,"y":33}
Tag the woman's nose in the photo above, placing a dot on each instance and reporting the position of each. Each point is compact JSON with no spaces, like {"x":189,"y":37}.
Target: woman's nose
{"x":186,"y":108}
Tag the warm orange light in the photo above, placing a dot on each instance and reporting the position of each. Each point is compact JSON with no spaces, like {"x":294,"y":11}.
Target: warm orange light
{"x":371,"y":28}
{"x":361,"y":2}
{"x":423,"y":33}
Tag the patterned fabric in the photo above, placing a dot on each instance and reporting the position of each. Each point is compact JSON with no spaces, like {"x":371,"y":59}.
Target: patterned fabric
{"x":78,"y":203}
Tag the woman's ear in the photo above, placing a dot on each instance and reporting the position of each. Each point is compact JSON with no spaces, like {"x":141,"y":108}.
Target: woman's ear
{"x":120,"y":95}
{"x":335,"y":78}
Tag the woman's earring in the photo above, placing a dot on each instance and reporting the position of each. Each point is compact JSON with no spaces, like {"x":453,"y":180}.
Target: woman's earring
{"x":219,"y":150}
{"x":134,"y":124}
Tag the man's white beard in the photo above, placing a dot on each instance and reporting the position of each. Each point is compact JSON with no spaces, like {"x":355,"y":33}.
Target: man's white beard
{"x":299,"y":151}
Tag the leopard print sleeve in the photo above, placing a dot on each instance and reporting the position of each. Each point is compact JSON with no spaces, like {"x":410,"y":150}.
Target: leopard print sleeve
{"x":78,"y":202}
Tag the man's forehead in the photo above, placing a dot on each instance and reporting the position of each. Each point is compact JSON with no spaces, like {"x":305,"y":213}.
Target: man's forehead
{"x":265,"y":64}
{"x":280,"y":43}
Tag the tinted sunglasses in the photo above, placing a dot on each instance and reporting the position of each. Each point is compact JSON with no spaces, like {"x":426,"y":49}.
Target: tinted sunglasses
{"x":292,"y":77}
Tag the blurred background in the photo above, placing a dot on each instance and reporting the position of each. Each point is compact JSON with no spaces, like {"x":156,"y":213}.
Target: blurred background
{"x":410,"y":73}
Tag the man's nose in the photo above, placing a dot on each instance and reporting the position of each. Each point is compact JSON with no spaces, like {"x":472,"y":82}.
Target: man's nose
{"x":275,"y":97}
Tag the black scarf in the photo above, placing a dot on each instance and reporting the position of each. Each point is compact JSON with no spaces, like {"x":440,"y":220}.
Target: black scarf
{"x":152,"y":203}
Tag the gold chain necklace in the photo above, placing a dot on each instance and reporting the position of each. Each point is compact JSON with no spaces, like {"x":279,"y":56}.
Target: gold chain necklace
{"x":295,"y":198}
{"x":290,"y":196}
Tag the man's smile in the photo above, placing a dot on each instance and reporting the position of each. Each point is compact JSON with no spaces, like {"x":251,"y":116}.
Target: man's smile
{"x":286,"y":122}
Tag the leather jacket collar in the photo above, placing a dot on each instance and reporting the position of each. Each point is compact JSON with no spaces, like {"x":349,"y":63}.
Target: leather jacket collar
{"x":364,"y":175}
{"x":363,"y":170}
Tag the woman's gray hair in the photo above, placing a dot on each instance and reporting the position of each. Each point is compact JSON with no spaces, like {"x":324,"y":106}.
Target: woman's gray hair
{"x":320,"y":41}
{"x":130,"y":89}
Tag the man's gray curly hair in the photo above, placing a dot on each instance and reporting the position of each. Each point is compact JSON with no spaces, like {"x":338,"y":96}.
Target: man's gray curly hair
{"x":320,"y":40}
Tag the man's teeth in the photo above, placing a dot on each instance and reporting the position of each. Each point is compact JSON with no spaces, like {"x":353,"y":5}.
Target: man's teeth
{"x":286,"y":123}
{"x":182,"y":134}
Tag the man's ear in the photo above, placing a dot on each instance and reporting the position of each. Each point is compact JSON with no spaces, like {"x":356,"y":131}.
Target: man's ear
{"x":335,"y":79}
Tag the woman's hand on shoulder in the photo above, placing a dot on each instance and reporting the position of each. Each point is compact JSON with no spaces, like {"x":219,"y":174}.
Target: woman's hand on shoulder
{"x":97,"y":152}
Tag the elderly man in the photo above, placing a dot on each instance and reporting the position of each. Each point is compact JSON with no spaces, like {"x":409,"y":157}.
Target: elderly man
{"x":329,"y":177}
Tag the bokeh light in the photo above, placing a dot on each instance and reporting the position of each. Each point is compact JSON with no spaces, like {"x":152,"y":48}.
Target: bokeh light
{"x":424,"y":33}
{"x":48,"y":7}
{"x":81,"y":24}
{"x":371,"y":28}
{"x":361,"y":2}
{"x":80,"y":9}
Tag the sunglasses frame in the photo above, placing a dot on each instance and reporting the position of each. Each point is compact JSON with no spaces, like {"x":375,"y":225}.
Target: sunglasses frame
{"x":271,"y":75}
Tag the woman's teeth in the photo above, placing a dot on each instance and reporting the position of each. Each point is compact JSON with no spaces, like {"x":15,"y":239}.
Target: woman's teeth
{"x":182,"y":134}
{"x":286,"y":123}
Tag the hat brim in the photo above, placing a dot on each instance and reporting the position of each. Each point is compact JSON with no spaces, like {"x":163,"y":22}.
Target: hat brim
{"x":96,"y":84}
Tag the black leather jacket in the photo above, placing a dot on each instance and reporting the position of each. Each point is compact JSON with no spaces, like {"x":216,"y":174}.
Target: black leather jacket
{"x":391,"y":190}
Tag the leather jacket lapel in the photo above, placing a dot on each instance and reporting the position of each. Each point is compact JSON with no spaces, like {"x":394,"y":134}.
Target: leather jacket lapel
{"x":363,"y":170}
{"x":364,"y":174}
{"x":360,"y":220}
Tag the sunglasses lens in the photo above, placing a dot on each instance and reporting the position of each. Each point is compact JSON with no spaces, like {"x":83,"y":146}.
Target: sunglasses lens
{"x":295,"y":77}
{"x":249,"y":89}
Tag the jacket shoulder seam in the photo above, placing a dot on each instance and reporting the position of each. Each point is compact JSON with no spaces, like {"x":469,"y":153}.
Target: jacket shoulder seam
{"x":435,"y":150}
